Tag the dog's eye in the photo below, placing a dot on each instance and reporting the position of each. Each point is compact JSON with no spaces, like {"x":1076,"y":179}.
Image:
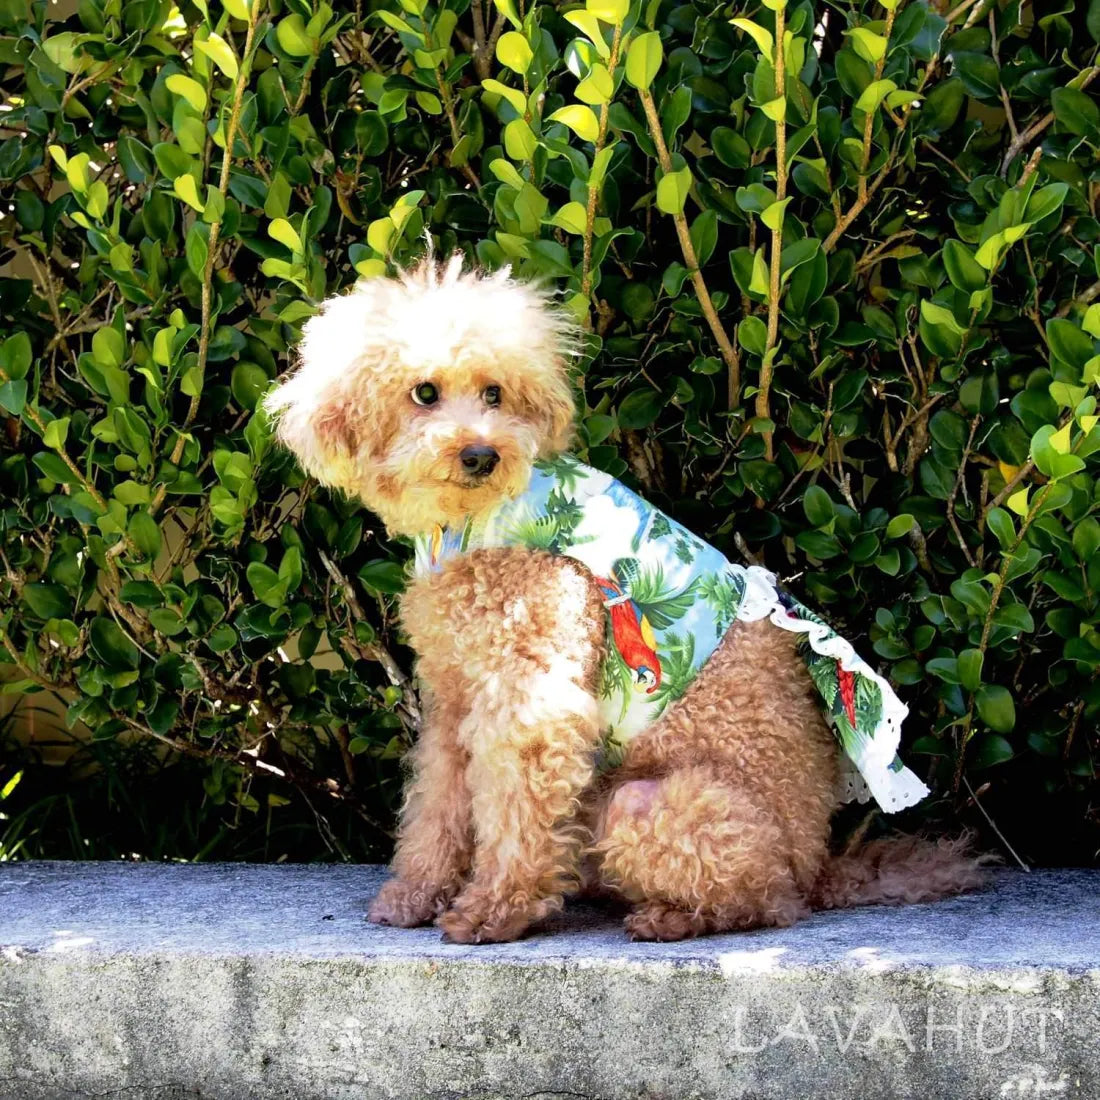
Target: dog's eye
{"x":491,"y":395}
{"x":425,"y":394}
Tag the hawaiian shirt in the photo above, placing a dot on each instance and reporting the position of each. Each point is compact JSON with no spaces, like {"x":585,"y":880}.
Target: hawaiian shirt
{"x":669,"y":599}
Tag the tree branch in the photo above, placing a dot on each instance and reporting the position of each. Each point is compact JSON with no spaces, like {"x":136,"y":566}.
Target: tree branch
{"x":729,"y":353}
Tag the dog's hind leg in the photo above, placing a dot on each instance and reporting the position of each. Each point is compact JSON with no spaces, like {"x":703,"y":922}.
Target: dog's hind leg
{"x":696,"y":855}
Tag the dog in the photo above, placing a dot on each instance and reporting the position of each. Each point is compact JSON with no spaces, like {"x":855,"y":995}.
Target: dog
{"x":440,"y":398}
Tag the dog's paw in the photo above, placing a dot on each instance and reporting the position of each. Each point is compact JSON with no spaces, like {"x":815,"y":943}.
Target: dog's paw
{"x":407,"y":904}
{"x":657,"y":921}
{"x":480,"y":919}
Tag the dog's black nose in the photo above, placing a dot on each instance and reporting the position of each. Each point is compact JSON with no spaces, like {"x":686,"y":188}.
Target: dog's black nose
{"x":479,"y":459}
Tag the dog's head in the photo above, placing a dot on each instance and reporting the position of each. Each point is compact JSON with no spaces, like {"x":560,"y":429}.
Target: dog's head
{"x":429,"y":396}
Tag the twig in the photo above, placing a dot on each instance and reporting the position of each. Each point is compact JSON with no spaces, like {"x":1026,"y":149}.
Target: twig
{"x":593,"y":189}
{"x":993,"y":826}
{"x":373,"y":651}
{"x":448,"y":107}
{"x":987,"y":625}
{"x":212,"y":246}
{"x":955,"y":492}
{"x":1080,"y":82}
{"x":933,"y":65}
{"x":763,"y":391}
{"x":729,"y":353}
{"x":1082,"y":299}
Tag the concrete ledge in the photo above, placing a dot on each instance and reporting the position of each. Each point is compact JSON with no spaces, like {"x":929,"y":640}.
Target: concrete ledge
{"x":256,"y":981}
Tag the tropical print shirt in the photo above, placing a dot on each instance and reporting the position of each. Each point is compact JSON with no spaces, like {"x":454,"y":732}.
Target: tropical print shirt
{"x":670,"y":598}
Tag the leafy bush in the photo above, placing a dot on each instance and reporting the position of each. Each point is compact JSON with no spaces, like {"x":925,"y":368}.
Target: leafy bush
{"x":838,"y":264}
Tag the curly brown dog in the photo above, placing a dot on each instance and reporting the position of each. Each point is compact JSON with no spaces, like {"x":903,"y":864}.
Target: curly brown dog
{"x":430,"y":397}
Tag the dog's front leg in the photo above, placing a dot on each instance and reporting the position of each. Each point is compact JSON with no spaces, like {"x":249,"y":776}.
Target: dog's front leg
{"x":531,"y":756}
{"x":513,"y":640}
{"x":435,"y":842}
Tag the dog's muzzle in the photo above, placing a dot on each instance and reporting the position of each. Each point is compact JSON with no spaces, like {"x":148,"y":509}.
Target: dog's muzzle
{"x":478,"y":460}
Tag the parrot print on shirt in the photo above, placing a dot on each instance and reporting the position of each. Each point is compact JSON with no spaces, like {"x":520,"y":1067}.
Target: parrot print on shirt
{"x":633,"y":636}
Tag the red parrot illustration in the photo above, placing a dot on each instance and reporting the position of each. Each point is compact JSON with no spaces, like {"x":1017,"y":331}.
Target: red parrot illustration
{"x":633,"y":637}
{"x":847,"y":683}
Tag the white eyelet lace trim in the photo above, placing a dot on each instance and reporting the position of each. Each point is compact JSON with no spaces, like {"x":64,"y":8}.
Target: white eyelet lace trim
{"x":868,"y":773}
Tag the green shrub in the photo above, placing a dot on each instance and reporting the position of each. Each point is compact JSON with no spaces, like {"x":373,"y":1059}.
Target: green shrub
{"x":839,"y":297}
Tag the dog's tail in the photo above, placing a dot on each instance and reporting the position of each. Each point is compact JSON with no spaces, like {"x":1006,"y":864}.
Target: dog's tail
{"x":900,"y":870}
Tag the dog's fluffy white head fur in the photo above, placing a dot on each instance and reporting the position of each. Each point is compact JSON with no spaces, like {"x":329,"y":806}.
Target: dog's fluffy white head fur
{"x":348,"y":410}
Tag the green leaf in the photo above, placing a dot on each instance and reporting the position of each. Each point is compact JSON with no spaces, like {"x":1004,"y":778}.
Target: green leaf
{"x":580,"y":119}
{"x":186,"y":189}
{"x":290,"y":569}
{"x":519,"y":140}
{"x":56,"y":433}
{"x":111,"y":645}
{"x":775,"y":109}
{"x":572,"y":217}
{"x":980,"y":393}
{"x":1000,"y":523}
{"x":47,"y":601}
{"x":1049,"y":451}
{"x":514,"y":51}
{"x":508,"y":9}
{"x":978,"y":72}
{"x":293,"y":37}
{"x":15,"y":356}
{"x":752,"y":335}
{"x":990,"y":749}
{"x":643,"y":60}
{"x":759,"y":282}
{"x":874,"y":94}
{"x":55,"y":468}
{"x":996,"y":707}
{"x":672,"y":191}
{"x":282,"y":231}
{"x":610,"y":11}
{"x":819,"y":507}
{"x":196,"y":248}
{"x":515,"y":97}
{"x":773,"y":216}
{"x":167,"y":621}
{"x":1086,"y":538}
{"x":870,"y":46}
{"x":899,"y":525}
{"x":1075,"y":111}
{"x":970,"y":668}
{"x":1069,"y":344}
{"x":639,"y":409}
{"x":13,"y":396}
{"x":597,"y":87}
{"x":220,"y":52}
{"x":383,"y":578}
{"x":1046,"y":201}
{"x":765,"y":42}
{"x":266,"y":583}
{"x":144,"y":532}
{"x":189,"y":89}
{"x":963,"y":270}
{"x":939,"y":330}
{"x":589,"y":25}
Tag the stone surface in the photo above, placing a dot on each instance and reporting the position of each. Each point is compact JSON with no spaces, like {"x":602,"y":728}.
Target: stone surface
{"x":246,"y":981}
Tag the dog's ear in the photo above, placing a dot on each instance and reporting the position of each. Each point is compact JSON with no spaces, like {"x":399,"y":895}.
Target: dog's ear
{"x":313,"y":410}
{"x":317,"y":427}
{"x":550,"y":339}
{"x":560,"y":409}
